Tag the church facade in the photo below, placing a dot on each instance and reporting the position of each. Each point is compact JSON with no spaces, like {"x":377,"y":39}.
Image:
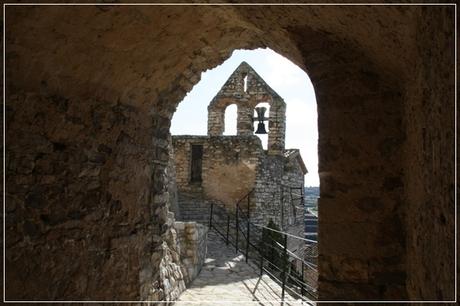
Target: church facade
{"x":227,"y":170}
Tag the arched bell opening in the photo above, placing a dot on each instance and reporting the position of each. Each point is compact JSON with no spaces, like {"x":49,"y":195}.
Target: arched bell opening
{"x":261,"y":119}
{"x":230,"y":118}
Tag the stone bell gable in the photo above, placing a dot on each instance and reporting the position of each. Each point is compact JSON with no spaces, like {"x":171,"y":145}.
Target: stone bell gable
{"x":246,"y":89}
{"x":224,"y":169}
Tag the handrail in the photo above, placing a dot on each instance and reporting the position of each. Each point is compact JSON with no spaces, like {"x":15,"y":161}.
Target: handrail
{"x":251,"y":245}
{"x":245,"y":196}
{"x":295,"y":256}
{"x":293,"y":236}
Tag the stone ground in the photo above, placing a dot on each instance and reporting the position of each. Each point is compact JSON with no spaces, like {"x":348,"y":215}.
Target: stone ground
{"x":226,"y":279}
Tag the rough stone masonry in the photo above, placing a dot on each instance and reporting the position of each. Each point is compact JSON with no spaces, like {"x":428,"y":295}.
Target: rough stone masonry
{"x":89,"y":96}
{"x":231,"y":167}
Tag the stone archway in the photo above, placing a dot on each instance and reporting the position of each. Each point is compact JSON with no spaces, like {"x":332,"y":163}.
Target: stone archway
{"x":95,"y":89}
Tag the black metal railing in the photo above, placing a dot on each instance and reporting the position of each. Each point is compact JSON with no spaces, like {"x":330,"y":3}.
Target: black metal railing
{"x":267,"y":248}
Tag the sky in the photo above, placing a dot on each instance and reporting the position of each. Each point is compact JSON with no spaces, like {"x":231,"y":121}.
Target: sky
{"x":288,"y":80}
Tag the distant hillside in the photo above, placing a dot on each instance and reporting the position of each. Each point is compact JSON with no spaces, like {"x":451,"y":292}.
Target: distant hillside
{"x":311,"y":196}
{"x":314,"y":191}
{"x":311,"y":200}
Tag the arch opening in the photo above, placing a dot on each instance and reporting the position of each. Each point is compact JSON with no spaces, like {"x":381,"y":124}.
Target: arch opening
{"x":230,"y":117}
{"x":93,"y":132}
{"x":245,"y":86}
{"x":263,"y":137}
{"x":338,"y":143}
{"x":270,"y":167}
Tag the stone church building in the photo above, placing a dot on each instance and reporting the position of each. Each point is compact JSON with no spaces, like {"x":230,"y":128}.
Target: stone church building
{"x":226,"y":170}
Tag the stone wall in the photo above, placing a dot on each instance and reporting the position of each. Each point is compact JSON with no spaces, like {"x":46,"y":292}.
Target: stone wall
{"x":233,"y":166}
{"x":268,"y":189}
{"x":383,"y":77}
{"x":229,"y":166}
{"x":172,"y":184}
{"x":293,"y":180}
{"x":429,"y":155}
{"x":170,"y":267}
{"x":360,"y":210}
{"x":273,"y":195}
{"x":257,"y":91}
{"x":77,"y":198}
{"x":192,"y":239}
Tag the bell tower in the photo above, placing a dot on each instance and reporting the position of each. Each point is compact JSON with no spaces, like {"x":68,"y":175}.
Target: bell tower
{"x":247,"y":89}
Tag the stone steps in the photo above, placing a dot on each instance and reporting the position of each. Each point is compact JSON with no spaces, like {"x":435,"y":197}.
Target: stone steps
{"x":193,"y":208}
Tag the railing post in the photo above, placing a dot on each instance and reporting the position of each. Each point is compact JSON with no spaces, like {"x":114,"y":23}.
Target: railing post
{"x":237,"y":228}
{"x":261,"y":264}
{"x":303,"y":280}
{"x":247,"y":236}
{"x":282,"y":209}
{"x":284,"y":263}
{"x":210,"y":216}
{"x":228,"y":228}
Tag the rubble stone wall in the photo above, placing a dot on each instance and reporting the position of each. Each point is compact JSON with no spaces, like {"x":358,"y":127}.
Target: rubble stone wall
{"x":192,"y":239}
{"x":267,"y":192}
{"x":430,"y":156}
{"x":77,"y":197}
{"x":172,"y":184}
{"x":229,"y":166}
{"x":233,"y":166}
{"x":293,"y":178}
{"x":257,"y":91}
{"x":383,"y":78}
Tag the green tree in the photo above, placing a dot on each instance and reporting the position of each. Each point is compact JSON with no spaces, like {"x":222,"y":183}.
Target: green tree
{"x":272,"y":247}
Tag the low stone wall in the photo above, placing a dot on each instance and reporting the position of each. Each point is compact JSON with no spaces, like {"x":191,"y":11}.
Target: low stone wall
{"x":191,"y":238}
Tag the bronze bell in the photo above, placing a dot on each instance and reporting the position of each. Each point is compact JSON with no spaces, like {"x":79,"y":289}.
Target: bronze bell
{"x":261,"y":118}
{"x":261,"y":128}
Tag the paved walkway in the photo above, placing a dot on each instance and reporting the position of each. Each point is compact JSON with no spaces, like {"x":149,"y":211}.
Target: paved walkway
{"x":226,"y":279}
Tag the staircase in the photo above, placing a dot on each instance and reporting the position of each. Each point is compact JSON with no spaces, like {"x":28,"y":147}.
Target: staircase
{"x":193,"y":207}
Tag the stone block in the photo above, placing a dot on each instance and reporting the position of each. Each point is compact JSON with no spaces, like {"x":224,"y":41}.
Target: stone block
{"x":192,"y":236}
{"x":179,"y":226}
